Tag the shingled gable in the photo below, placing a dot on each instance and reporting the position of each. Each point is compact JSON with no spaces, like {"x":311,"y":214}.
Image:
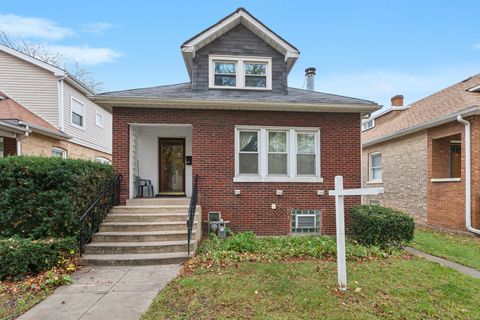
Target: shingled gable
{"x":239,"y":16}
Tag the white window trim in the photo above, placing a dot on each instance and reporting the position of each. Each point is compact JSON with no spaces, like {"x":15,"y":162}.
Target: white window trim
{"x":306,"y":215}
{"x":71,"y":114}
{"x":103,"y":119}
{"x":102,"y":160}
{"x":446,"y":179}
{"x":368,"y":128}
{"x":63,"y":151}
{"x":239,"y":71}
{"x":263,"y":175}
{"x":370,"y":168}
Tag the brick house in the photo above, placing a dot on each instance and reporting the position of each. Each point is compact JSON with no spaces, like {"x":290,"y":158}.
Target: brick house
{"x":425,"y":157}
{"x":44,"y":111}
{"x":265,"y":153}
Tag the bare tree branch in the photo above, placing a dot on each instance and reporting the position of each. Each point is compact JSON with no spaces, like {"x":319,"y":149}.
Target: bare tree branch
{"x":40,"y":52}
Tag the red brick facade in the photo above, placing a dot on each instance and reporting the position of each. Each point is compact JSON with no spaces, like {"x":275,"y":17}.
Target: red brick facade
{"x":213,"y":160}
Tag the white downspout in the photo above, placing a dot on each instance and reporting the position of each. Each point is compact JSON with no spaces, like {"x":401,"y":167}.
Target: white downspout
{"x":468,"y":177}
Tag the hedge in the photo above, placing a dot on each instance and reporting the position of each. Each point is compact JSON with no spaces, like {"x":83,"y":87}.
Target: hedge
{"x":19,"y":257}
{"x":44,"y":197}
{"x":380,"y":226}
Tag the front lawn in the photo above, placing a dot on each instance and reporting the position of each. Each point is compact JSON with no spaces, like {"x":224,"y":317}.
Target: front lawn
{"x":458,"y":248}
{"x":396,"y":288}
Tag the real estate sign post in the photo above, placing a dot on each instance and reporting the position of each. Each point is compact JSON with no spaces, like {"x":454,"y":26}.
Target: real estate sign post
{"x":339,"y":194}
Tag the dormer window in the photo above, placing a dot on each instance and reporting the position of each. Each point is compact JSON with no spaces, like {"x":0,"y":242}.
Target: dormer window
{"x":235,"y":72}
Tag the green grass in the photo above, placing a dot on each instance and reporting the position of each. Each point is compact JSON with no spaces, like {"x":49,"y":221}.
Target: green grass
{"x":392,"y":288}
{"x":458,"y":248}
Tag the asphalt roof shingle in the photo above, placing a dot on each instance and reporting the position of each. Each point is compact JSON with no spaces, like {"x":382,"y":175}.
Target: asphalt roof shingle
{"x":436,"y":106}
{"x":183,"y":91}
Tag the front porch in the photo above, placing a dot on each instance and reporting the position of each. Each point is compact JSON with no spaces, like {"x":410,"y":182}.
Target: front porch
{"x":160,"y":160}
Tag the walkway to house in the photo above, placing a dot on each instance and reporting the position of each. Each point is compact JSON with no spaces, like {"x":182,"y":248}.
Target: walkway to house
{"x":453,"y":265}
{"x":122,"y":293}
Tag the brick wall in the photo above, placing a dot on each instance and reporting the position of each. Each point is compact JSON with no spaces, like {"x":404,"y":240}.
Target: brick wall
{"x":9,"y":147}
{"x":213,"y":160}
{"x":404,"y":178}
{"x":446,"y":200}
{"x":38,"y":145}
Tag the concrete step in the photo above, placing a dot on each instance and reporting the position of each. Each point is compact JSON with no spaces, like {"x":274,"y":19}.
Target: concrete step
{"x":139,"y":247}
{"x":146,"y":236}
{"x":143,"y":226}
{"x":149,"y":217}
{"x":152,"y":209}
{"x":158,"y":201}
{"x":135,"y":259}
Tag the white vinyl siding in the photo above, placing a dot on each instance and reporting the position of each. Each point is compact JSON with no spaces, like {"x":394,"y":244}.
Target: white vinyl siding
{"x":277,"y":154}
{"x":92,"y":136}
{"x":31,"y":86}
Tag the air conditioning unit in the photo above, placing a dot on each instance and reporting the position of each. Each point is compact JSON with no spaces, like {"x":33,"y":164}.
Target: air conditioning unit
{"x":305,"y":221}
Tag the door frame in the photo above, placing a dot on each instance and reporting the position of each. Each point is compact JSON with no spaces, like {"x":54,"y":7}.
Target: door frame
{"x":184,"y":192}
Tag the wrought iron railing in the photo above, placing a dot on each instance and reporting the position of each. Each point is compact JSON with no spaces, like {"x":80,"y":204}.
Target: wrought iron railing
{"x":191,"y":211}
{"x":95,"y":214}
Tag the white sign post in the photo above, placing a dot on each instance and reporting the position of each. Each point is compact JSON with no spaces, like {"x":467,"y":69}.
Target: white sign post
{"x":339,"y":194}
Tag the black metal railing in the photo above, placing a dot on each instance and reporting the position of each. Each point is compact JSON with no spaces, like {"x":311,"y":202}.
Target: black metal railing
{"x":95,"y":214}
{"x":191,"y":211}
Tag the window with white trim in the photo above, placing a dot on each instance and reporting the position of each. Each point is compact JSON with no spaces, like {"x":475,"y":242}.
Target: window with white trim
{"x":102,"y":160}
{"x":368,"y":124}
{"x":1,"y":148}
{"x":78,"y":113}
{"x":59,"y":153}
{"x":375,"y":167}
{"x":98,"y":119}
{"x":235,"y":72}
{"x":277,"y":154}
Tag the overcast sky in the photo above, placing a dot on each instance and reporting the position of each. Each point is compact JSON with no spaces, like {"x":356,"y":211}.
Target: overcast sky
{"x":365,"y":49}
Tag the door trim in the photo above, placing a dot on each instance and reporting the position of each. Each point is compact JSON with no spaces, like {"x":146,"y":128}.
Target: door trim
{"x":170,"y":194}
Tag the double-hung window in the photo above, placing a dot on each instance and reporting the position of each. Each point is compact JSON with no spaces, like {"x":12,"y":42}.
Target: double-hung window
{"x":98,"y":119}
{"x":78,"y":113}
{"x":236,"y":72}
{"x":277,"y":154}
{"x":375,"y":167}
{"x":248,"y":153}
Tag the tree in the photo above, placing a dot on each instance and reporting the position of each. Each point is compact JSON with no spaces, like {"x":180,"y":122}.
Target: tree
{"x":40,"y":52}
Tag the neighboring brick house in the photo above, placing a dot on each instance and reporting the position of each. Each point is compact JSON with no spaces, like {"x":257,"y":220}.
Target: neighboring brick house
{"x":419,"y":154}
{"x":50,"y":110}
{"x":266,"y":153}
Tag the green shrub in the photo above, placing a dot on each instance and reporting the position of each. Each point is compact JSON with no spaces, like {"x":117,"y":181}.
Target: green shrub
{"x":380,"y":226}
{"x":19,"y":257}
{"x":278,"y":248}
{"x":43,"y":197}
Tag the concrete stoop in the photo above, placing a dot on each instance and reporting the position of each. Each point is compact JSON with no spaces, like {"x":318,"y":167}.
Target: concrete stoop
{"x":144,"y":232}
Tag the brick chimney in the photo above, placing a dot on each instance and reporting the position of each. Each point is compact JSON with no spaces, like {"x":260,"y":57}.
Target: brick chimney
{"x":397,"y":101}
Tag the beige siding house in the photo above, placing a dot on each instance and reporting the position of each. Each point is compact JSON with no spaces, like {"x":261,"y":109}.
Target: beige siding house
{"x":52,"y":94}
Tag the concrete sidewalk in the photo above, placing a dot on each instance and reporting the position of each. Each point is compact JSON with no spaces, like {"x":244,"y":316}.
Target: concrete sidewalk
{"x":444,"y":262}
{"x":105,"y":293}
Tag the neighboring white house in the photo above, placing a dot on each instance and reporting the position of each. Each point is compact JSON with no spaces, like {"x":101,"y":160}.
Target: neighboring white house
{"x":57,"y":97}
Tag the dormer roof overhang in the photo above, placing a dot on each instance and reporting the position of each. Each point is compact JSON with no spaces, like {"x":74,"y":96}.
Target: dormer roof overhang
{"x":239,"y":16}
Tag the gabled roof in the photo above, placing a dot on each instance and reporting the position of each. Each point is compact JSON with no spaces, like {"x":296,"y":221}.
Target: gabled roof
{"x":182,"y":95}
{"x":57,"y":72}
{"x":239,"y":16}
{"x":15,"y":114}
{"x":428,"y":111}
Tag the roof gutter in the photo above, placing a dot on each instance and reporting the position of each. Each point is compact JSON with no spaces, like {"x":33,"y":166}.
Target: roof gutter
{"x":44,"y":131}
{"x":113,"y":101}
{"x":474,"y":110}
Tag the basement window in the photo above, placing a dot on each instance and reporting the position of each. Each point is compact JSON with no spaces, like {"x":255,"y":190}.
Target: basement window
{"x":305,"y":221}
{"x":235,"y":72}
